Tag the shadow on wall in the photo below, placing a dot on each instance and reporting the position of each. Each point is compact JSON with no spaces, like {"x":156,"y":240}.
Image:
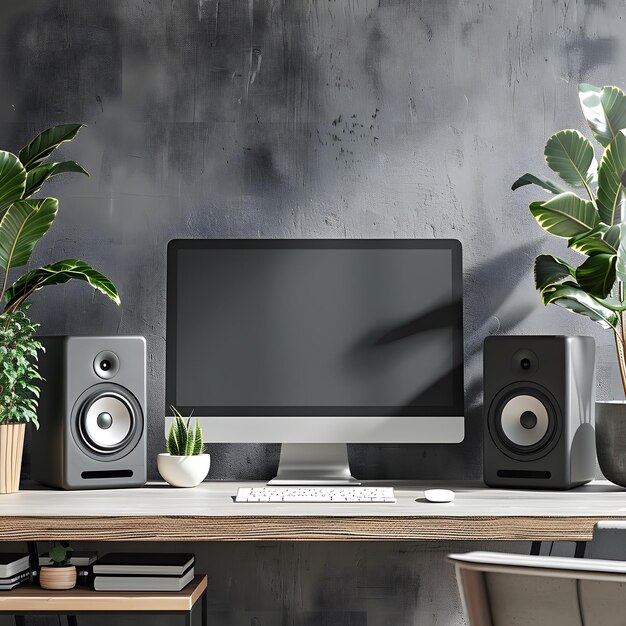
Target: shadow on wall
{"x":369,"y":462}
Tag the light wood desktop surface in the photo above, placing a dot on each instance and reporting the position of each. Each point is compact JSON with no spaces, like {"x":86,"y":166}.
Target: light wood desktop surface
{"x":208,"y":513}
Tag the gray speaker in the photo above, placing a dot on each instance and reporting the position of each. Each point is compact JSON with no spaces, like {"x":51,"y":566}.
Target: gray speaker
{"x":92,"y":413}
{"x":539,"y":399}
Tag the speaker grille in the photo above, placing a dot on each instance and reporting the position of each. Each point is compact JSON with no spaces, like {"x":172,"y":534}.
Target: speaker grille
{"x":524,"y":421}
{"x":107,"y":421}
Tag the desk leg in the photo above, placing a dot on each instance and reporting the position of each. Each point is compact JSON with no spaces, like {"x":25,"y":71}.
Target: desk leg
{"x":205,"y":609}
{"x":20,"y":620}
{"x":535,"y":547}
{"x":581,"y":546}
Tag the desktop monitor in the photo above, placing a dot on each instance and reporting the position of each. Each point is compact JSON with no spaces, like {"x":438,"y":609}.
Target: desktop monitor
{"x":315,"y":344}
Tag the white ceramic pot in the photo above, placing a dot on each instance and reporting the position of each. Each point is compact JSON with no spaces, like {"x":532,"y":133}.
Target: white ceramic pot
{"x":184,"y":471}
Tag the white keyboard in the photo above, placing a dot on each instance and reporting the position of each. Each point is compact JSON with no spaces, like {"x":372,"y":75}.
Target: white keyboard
{"x":315,"y":494}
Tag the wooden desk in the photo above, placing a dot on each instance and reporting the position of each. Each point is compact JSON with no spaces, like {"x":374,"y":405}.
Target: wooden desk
{"x":208,"y":513}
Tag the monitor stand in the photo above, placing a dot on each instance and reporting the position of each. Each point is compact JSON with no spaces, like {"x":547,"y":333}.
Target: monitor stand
{"x":314,"y":464}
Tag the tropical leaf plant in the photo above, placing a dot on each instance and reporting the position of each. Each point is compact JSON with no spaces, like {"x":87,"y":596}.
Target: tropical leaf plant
{"x":182,"y":438}
{"x":23,"y":222}
{"x":595,"y":224}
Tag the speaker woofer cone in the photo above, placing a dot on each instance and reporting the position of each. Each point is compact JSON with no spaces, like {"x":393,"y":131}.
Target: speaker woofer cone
{"x":524,"y":421}
{"x":107,"y":421}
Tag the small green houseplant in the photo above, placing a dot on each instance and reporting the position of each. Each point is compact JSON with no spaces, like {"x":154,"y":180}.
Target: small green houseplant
{"x":60,"y":574}
{"x":184,"y":464}
{"x":594,"y":226}
{"x":24,"y":220}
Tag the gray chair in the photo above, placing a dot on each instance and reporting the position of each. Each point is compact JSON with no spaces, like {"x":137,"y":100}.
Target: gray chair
{"x":526,"y":590}
{"x":609,"y":541}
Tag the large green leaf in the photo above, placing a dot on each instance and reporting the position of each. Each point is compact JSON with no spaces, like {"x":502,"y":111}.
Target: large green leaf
{"x":611,"y":303}
{"x":604,"y":109}
{"x":620,"y":266}
{"x":38,"y":175}
{"x":570,"y":296}
{"x":56,"y":274}
{"x":570,"y":155}
{"x":44,"y":144}
{"x":600,"y":239}
{"x":544,"y":183}
{"x":613,"y":236}
{"x":596,"y":275}
{"x":611,"y":196}
{"x":24,"y":223}
{"x":12,"y":179}
{"x":565,"y":215}
{"x":550,"y":270}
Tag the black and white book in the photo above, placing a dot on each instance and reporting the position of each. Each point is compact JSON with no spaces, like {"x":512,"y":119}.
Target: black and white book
{"x":144,"y":564}
{"x":143,"y":583}
{"x":12,"y":563}
{"x":77,"y":558}
{"x":10,"y":582}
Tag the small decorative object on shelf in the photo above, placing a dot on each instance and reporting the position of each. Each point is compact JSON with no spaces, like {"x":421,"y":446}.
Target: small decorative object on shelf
{"x":61,"y":574}
{"x":82,"y":560}
{"x":184,"y":464}
{"x":23,"y":222}
{"x":595,"y":227}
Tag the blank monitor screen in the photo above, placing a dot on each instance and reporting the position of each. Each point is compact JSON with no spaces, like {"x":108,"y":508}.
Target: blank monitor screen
{"x":315,"y":327}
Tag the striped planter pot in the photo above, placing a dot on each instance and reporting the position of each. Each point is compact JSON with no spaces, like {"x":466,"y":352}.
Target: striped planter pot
{"x":57,"y":578}
{"x":11,"y":448}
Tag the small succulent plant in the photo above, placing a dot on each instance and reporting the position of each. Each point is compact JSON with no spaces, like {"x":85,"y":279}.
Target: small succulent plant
{"x":184,"y":439}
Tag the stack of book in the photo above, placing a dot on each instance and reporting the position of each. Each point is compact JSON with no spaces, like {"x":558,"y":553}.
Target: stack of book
{"x":14,"y":570}
{"x":82,"y":560}
{"x":143,"y":572}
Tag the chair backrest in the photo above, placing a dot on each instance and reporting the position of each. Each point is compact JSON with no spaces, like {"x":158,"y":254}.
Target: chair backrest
{"x":609,"y":540}
{"x":512,"y":589}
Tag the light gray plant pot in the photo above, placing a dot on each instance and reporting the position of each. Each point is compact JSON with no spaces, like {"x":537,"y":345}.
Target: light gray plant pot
{"x":611,"y":440}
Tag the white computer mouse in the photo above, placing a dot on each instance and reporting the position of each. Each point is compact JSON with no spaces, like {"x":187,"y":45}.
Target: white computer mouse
{"x":439,"y":495}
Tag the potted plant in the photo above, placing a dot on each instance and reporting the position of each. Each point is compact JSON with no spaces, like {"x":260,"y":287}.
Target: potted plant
{"x":594,"y":226}
{"x":61,"y":574}
{"x":184,"y":464}
{"x":18,"y":392}
{"x":23,"y":222}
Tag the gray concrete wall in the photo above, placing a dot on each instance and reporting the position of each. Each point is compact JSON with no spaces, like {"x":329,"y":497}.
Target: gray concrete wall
{"x":344,"y":118}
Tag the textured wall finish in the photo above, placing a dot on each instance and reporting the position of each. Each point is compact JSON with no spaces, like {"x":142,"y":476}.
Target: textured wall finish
{"x":316,"y":118}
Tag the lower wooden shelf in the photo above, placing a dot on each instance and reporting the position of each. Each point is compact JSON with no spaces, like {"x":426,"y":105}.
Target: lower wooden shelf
{"x":32,"y":599}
